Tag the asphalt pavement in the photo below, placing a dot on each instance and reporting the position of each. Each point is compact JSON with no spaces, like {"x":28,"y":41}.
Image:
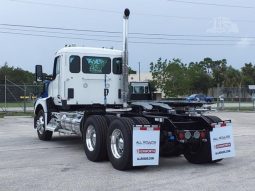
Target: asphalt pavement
{"x":26,"y":163}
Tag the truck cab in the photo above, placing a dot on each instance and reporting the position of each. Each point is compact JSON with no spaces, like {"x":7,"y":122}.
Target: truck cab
{"x":140,"y":91}
{"x":78,"y":70}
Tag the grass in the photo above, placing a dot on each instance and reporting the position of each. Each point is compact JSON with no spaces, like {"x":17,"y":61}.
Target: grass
{"x":237,"y":109}
{"x":2,"y":114}
{"x":17,"y":104}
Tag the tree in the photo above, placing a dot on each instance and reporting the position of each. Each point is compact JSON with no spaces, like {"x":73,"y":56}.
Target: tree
{"x":248,"y":74}
{"x":217,"y":68}
{"x":16,"y":75}
{"x":158,"y":73}
{"x":131,"y":71}
{"x":170,"y":77}
{"x":233,"y":77}
{"x":199,"y":79}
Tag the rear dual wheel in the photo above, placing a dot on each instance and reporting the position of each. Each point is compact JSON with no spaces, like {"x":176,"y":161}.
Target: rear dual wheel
{"x":119,"y":141}
{"x":94,"y":138}
{"x":110,"y":137}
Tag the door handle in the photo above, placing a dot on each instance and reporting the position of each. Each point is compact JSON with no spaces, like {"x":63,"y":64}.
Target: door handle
{"x":106,"y":92}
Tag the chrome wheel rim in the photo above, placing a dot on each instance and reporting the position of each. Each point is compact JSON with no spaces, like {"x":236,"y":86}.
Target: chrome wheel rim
{"x":40,"y":125}
{"x":91,"y":138}
{"x":117,"y":143}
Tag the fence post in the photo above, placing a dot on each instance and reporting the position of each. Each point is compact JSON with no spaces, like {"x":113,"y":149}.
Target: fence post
{"x":25,"y":89}
{"x":239,"y":104}
{"x":5,"y":105}
{"x":218,"y":94}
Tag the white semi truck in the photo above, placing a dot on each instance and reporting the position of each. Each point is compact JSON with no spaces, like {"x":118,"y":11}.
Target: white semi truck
{"x":87,"y":95}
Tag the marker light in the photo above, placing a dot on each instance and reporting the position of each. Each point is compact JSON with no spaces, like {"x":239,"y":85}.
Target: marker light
{"x":196,"y":135}
{"x":187,"y":135}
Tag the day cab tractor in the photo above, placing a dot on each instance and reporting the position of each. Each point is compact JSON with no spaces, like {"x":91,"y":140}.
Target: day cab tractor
{"x":87,"y":95}
{"x":140,"y":91}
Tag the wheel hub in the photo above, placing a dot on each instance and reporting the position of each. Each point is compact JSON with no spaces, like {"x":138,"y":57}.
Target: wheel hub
{"x":40,"y":124}
{"x":117,"y":143}
{"x":91,"y":138}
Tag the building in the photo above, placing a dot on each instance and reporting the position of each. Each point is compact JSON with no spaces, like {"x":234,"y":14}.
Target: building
{"x":144,"y":77}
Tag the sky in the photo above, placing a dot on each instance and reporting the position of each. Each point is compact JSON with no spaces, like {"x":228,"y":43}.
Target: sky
{"x":187,"y":29}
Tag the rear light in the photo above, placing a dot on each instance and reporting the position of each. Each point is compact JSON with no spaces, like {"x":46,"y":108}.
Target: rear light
{"x":181,"y":136}
{"x":223,"y":124}
{"x":203,"y":135}
{"x":187,"y":135}
{"x":219,"y":124}
{"x":196,"y":135}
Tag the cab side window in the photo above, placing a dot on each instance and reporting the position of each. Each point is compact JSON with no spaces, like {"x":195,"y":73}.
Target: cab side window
{"x":56,"y":68}
{"x":117,"y":65}
{"x":74,"y":64}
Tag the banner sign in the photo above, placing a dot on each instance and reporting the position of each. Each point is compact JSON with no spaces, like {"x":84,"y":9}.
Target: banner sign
{"x":222,"y":141}
{"x":145,"y":145}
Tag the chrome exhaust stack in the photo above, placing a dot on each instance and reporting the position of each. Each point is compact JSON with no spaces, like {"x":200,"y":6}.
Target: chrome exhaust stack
{"x":125,"y":58}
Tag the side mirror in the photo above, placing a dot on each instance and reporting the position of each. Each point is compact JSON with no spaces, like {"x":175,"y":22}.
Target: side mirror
{"x":38,"y":73}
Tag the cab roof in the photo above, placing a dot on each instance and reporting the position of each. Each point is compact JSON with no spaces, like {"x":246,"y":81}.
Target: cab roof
{"x":90,"y":50}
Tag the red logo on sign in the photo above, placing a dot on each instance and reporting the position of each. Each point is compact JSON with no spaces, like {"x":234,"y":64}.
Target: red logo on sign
{"x":219,"y":146}
{"x":146,"y":151}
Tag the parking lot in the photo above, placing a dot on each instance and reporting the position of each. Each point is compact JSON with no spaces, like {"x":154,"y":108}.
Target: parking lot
{"x":26,"y":163}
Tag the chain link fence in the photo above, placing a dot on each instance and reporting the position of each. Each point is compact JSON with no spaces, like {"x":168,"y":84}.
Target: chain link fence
{"x":233,"y":98}
{"x":18,"y":97}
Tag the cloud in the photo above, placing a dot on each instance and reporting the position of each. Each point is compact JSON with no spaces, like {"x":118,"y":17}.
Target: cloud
{"x":244,"y":42}
{"x":222,"y":25}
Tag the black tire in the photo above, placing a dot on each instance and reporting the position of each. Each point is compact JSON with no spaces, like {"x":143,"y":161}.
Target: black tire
{"x":97,"y":125}
{"x":125,"y":126}
{"x":213,"y":119}
{"x":200,"y":153}
{"x":42,"y":133}
{"x":140,"y":121}
{"x":110,"y":118}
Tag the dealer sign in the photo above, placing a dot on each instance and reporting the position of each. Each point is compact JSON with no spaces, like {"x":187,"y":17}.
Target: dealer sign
{"x":222,"y":142}
{"x":146,"y":145}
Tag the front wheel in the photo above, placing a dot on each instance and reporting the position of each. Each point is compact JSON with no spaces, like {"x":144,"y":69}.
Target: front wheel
{"x":39,"y":124}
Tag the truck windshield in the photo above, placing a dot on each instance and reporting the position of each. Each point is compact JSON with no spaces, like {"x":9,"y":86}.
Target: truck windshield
{"x":138,"y":89}
{"x":96,"y":65}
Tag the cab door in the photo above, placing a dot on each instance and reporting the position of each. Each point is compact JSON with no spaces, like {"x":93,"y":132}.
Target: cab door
{"x":115,"y":95}
{"x":55,"y":83}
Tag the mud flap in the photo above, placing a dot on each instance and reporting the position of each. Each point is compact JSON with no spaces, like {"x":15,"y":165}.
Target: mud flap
{"x":222,"y":141}
{"x":146,"y":145}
